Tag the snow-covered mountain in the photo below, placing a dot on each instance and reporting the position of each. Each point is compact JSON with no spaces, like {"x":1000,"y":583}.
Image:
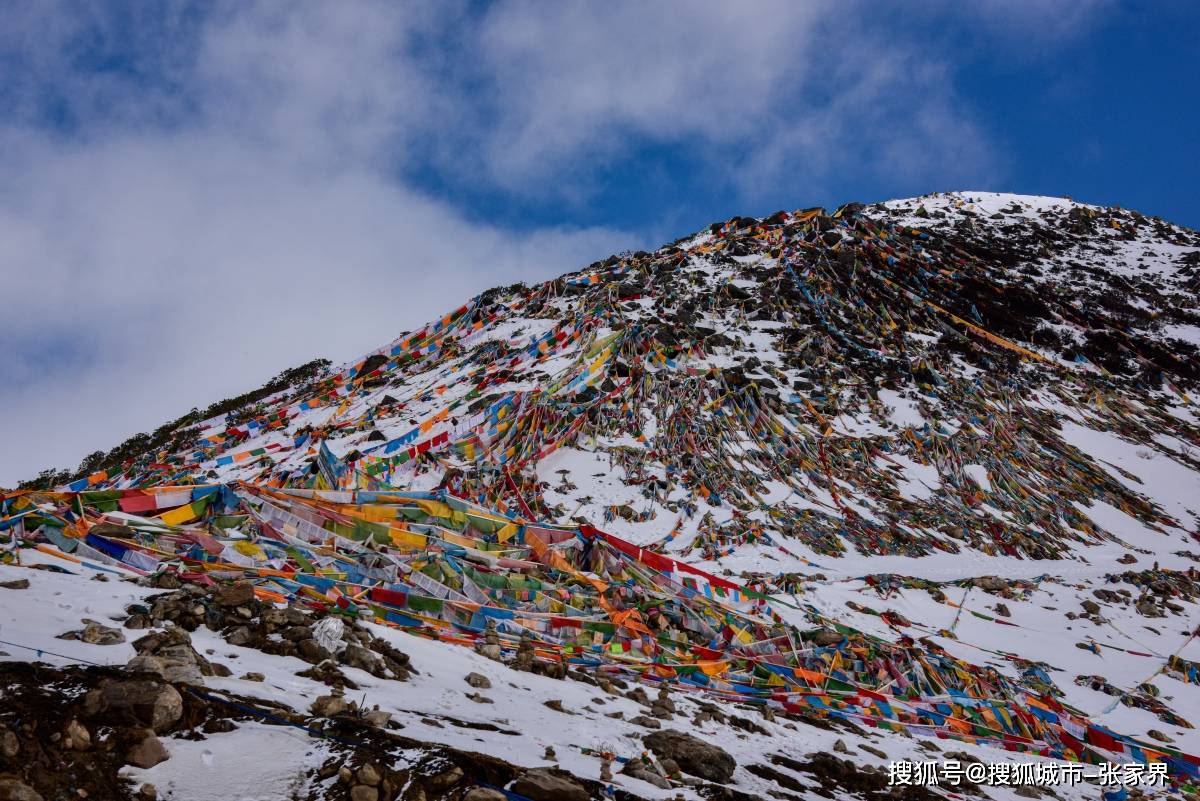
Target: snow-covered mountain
{"x":964,"y":425}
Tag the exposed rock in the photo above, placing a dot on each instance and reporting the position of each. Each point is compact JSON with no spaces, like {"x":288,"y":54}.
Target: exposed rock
{"x":328,"y":706}
{"x":694,"y":756}
{"x":311,"y":651}
{"x":827,"y":637}
{"x":645,"y":721}
{"x":147,"y":752}
{"x":445,"y":780}
{"x":872,"y":750}
{"x":369,"y":774}
{"x":1091,"y":607}
{"x":639,"y":770}
{"x":16,"y":790}
{"x":524,"y":660}
{"x":135,"y":702}
{"x":10,"y":746}
{"x":180,"y":662}
{"x":95,"y":633}
{"x":77,"y":737}
{"x":253,"y":676}
{"x":18,"y":584}
{"x":233,"y":595}
{"x":484,"y":794}
{"x":363,"y":792}
{"x":358,"y":657}
{"x":377,"y":717}
{"x":540,"y":784}
{"x":479,"y":680}
{"x":990,"y":583}
{"x":491,"y":641}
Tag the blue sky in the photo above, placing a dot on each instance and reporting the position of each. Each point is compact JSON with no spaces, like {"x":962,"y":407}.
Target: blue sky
{"x":200,"y":195}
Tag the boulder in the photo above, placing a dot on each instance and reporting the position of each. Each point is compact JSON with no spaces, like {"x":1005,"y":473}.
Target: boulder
{"x":443,"y":781}
{"x":638,"y":770}
{"x":76,"y":736}
{"x":94,"y":633}
{"x":232,"y":595}
{"x":479,"y":681}
{"x":180,"y":661}
{"x":143,"y":702}
{"x":827,"y":637}
{"x":541,"y":784}
{"x":18,"y":584}
{"x":369,"y":774}
{"x":147,"y":752}
{"x":364,"y":659}
{"x":16,"y":790}
{"x":363,"y":792}
{"x":484,"y":794}
{"x":328,"y":706}
{"x":694,"y":756}
{"x":990,"y":583}
{"x":10,"y":746}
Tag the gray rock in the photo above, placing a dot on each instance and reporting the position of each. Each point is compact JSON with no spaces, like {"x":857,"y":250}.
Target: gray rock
{"x":240,"y":636}
{"x":180,"y":661}
{"x":10,"y":746}
{"x":540,"y":784}
{"x":94,"y":633}
{"x":77,"y":736}
{"x":637,"y":770}
{"x":827,"y":637}
{"x":147,"y":752}
{"x":328,"y":706}
{"x":16,"y":790}
{"x":484,"y":794}
{"x":136,"y":702}
{"x":363,"y":659}
{"x":369,"y":774}
{"x":478,"y":680}
{"x":646,"y":722}
{"x":694,"y":756}
{"x":991,"y":583}
{"x":233,"y":595}
{"x":445,"y":780}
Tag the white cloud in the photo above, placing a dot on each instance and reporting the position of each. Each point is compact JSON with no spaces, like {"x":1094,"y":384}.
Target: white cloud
{"x":197,"y":197}
{"x":171,"y":273}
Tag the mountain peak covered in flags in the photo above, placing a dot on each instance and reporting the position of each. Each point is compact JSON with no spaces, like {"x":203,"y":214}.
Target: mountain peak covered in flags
{"x":886,"y":379}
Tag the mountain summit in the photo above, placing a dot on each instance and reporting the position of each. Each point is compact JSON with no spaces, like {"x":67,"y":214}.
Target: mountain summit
{"x":921,"y":376}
